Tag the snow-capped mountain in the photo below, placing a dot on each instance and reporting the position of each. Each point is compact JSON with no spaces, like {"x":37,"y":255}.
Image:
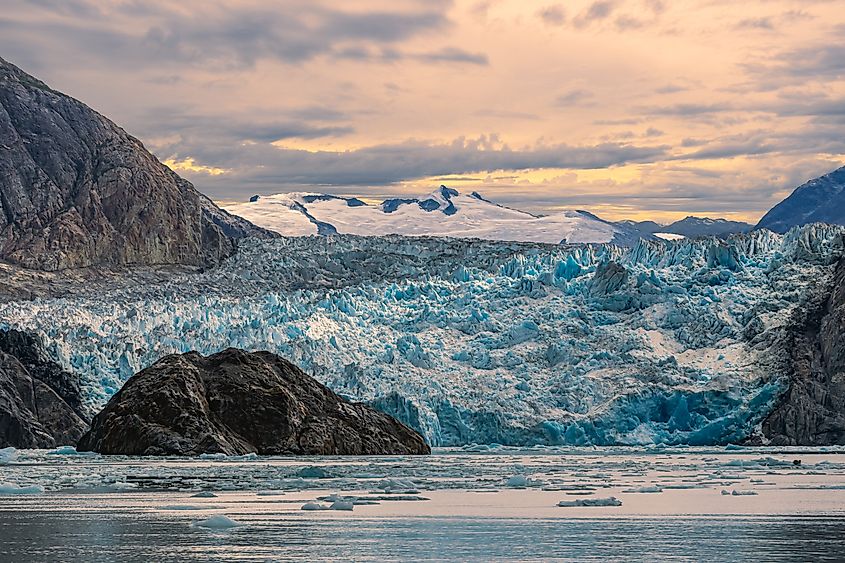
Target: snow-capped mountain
{"x":821,"y":200}
{"x":691,"y":227}
{"x":480,"y":341}
{"x":445,"y":212}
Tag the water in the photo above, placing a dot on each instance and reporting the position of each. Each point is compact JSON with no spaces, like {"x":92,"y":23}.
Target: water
{"x":454,"y":505}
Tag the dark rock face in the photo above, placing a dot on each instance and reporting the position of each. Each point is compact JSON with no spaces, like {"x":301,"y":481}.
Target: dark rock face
{"x":821,"y":200}
{"x":237,"y":402}
{"x":40,"y":404}
{"x":76,"y":190}
{"x":812,"y":412}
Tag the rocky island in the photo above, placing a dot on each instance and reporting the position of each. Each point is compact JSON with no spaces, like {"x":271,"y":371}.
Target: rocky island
{"x":236,"y":402}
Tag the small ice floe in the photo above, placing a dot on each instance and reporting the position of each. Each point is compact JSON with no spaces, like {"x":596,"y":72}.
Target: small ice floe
{"x":219,"y":522}
{"x":342,"y":505}
{"x":12,"y":489}
{"x":610,"y":501}
{"x":735,"y":493}
{"x":224,"y":457}
{"x":398,"y":485}
{"x":269,"y":493}
{"x":648,"y":489}
{"x":8,"y":455}
{"x":313,"y":472}
{"x":314,"y":506}
{"x":522,"y":482}
{"x":204,"y":494}
{"x":684,"y":486}
{"x":68,"y":450}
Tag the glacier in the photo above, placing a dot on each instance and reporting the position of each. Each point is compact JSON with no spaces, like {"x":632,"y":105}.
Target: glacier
{"x":474,"y":341}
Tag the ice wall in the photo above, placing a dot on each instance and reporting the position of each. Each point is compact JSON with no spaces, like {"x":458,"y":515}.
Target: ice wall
{"x":473,"y":341}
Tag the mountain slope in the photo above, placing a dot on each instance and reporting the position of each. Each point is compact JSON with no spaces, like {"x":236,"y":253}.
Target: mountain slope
{"x":78,"y":191}
{"x":444,"y":212}
{"x":821,"y":200}
{"x":692,"y":227}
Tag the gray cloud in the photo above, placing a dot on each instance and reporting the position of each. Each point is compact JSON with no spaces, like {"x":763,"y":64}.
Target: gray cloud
{"x":597,"y":11}
{"x":573,"y":97}
{"x":219,"y":36}
{"x":263,"y":167}
{"x":553,"y":15}
{"x":756,"y":23}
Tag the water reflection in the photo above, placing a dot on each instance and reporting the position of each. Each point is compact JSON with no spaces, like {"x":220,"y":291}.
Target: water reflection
{"x":99,"y":536}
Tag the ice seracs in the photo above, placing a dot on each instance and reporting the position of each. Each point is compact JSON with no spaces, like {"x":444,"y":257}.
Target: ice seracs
{"x":445,"y":212}
{"x":668,"y":342}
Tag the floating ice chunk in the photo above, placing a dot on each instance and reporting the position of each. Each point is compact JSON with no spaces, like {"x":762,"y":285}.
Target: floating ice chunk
{"x":313,"y":472}
{"x":735,"y":493}
{"x":521,"y":482}
{"x":610,"y":501}
{"x":224,"y":457}
{"x":269,"y":493}
{"x":218,"y":522}
{"x":397,"y":484}
{"x":649,"y":489}
{"x":12,"y":489}
{"x":8,"y":455}
{"x":68,"y":450}
{"x":314,"y":506}
{"x":342,"y":505}
{"x":204,"y":494}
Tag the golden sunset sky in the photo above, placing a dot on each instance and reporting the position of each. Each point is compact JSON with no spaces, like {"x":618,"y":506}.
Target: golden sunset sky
{"x":643,"y":109}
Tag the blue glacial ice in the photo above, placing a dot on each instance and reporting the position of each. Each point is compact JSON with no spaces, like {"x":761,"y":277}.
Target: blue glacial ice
{"x":480,"y":342}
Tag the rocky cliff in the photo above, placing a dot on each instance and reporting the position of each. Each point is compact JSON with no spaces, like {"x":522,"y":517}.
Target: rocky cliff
{"x":76,"y":190}
{"x":41,"y":405}
{"x":236,"y":402}
{"x":812,"y":412}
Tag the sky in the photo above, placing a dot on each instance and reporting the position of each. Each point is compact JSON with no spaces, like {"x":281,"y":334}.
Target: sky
{"x":645,"y":109}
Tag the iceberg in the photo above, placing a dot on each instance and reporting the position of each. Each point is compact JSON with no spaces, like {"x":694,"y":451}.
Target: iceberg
{"x":12,"y":489}
{"x":8,"y":455}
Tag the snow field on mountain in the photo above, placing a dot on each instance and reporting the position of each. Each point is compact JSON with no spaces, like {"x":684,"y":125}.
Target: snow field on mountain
{"x":444,"y":212}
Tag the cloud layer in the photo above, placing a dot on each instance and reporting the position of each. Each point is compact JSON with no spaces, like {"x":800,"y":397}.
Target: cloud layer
{"x":626,"y":107}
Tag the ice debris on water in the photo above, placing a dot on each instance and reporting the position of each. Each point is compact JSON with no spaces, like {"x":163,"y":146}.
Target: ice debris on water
{"x":610,"y":501}
{"x":218,"y":522}
{"x":204,"y":494}
{"x":342,"y":505}
{"x":479,"y":341}
{"x":12,"y":489}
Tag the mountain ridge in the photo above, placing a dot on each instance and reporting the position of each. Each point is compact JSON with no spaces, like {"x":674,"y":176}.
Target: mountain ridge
{"x":80,"y":191}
